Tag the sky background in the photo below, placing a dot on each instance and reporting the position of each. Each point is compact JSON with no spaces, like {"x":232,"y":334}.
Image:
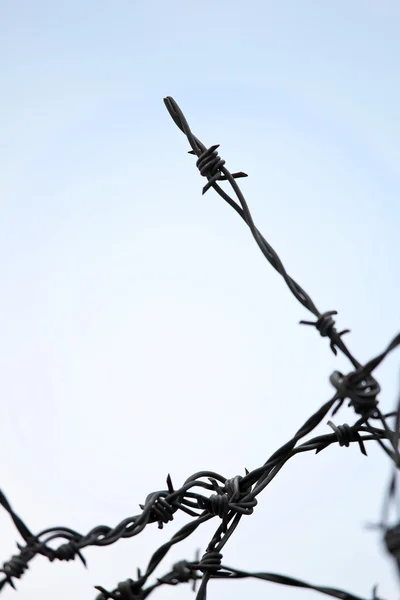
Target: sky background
{"x":142,"y":331}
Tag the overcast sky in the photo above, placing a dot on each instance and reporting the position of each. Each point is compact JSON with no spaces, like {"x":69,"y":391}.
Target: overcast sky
{"x":142,"y":331}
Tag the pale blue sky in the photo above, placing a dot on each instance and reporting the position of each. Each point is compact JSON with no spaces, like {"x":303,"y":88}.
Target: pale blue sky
{"x":136,"y":314}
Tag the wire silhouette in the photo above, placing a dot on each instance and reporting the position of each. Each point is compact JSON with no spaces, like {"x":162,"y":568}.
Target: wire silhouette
{"x":208,"y":495}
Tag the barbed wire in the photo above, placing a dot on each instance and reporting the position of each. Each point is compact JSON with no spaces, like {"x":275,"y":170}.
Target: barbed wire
{"x":206,"y":494}
{"x":188,"y":572}
{"x":159,"y":507}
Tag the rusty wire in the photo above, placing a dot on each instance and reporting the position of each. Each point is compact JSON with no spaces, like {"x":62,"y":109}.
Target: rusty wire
{"x":206,"y":495}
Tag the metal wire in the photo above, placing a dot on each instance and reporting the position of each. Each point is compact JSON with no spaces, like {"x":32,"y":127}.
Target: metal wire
{"x":208,"y":495}
{"x":188,"y":572}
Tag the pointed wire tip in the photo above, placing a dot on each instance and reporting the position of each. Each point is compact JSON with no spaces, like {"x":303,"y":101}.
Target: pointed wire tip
{"x":169,"y":483}
{"x":100,"y":589}
{"x":10,"y":581}
{"x":83,"y":559}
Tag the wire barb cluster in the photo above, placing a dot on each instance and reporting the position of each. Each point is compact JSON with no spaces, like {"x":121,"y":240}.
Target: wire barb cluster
{"x":208,"y":495}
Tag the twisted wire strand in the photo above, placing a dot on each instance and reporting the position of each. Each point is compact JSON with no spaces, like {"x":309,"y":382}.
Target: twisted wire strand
{"x":359,"y":386}
{"x":215,"y":170}
{"x":186,"y":572}
{"x":212,"y":167}
{"x":243,"y":505}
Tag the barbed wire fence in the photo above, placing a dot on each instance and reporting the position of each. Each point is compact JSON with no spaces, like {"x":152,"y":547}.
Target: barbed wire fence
{"x":207,"y":495}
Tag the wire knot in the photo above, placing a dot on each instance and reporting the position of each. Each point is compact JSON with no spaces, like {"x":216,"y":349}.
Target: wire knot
{"x":217,"y":504}
{"x":232,"y":487}
{"x":161,"y":511}
{"x":15,"y":567}
{"x":182,"y":571}
{"x":130,"y":590}
{"x":227,"y":497}
{"x":326,"y":327}
{"x":210,"y":164}
{"x":346,"y":434}
{"x":210,"y":562}
{"x":126,"y":590}
{"x":361,"y":392}
{"x":235,"y":493}
{"x":392,"y":541}
{"x":66,"y":551}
